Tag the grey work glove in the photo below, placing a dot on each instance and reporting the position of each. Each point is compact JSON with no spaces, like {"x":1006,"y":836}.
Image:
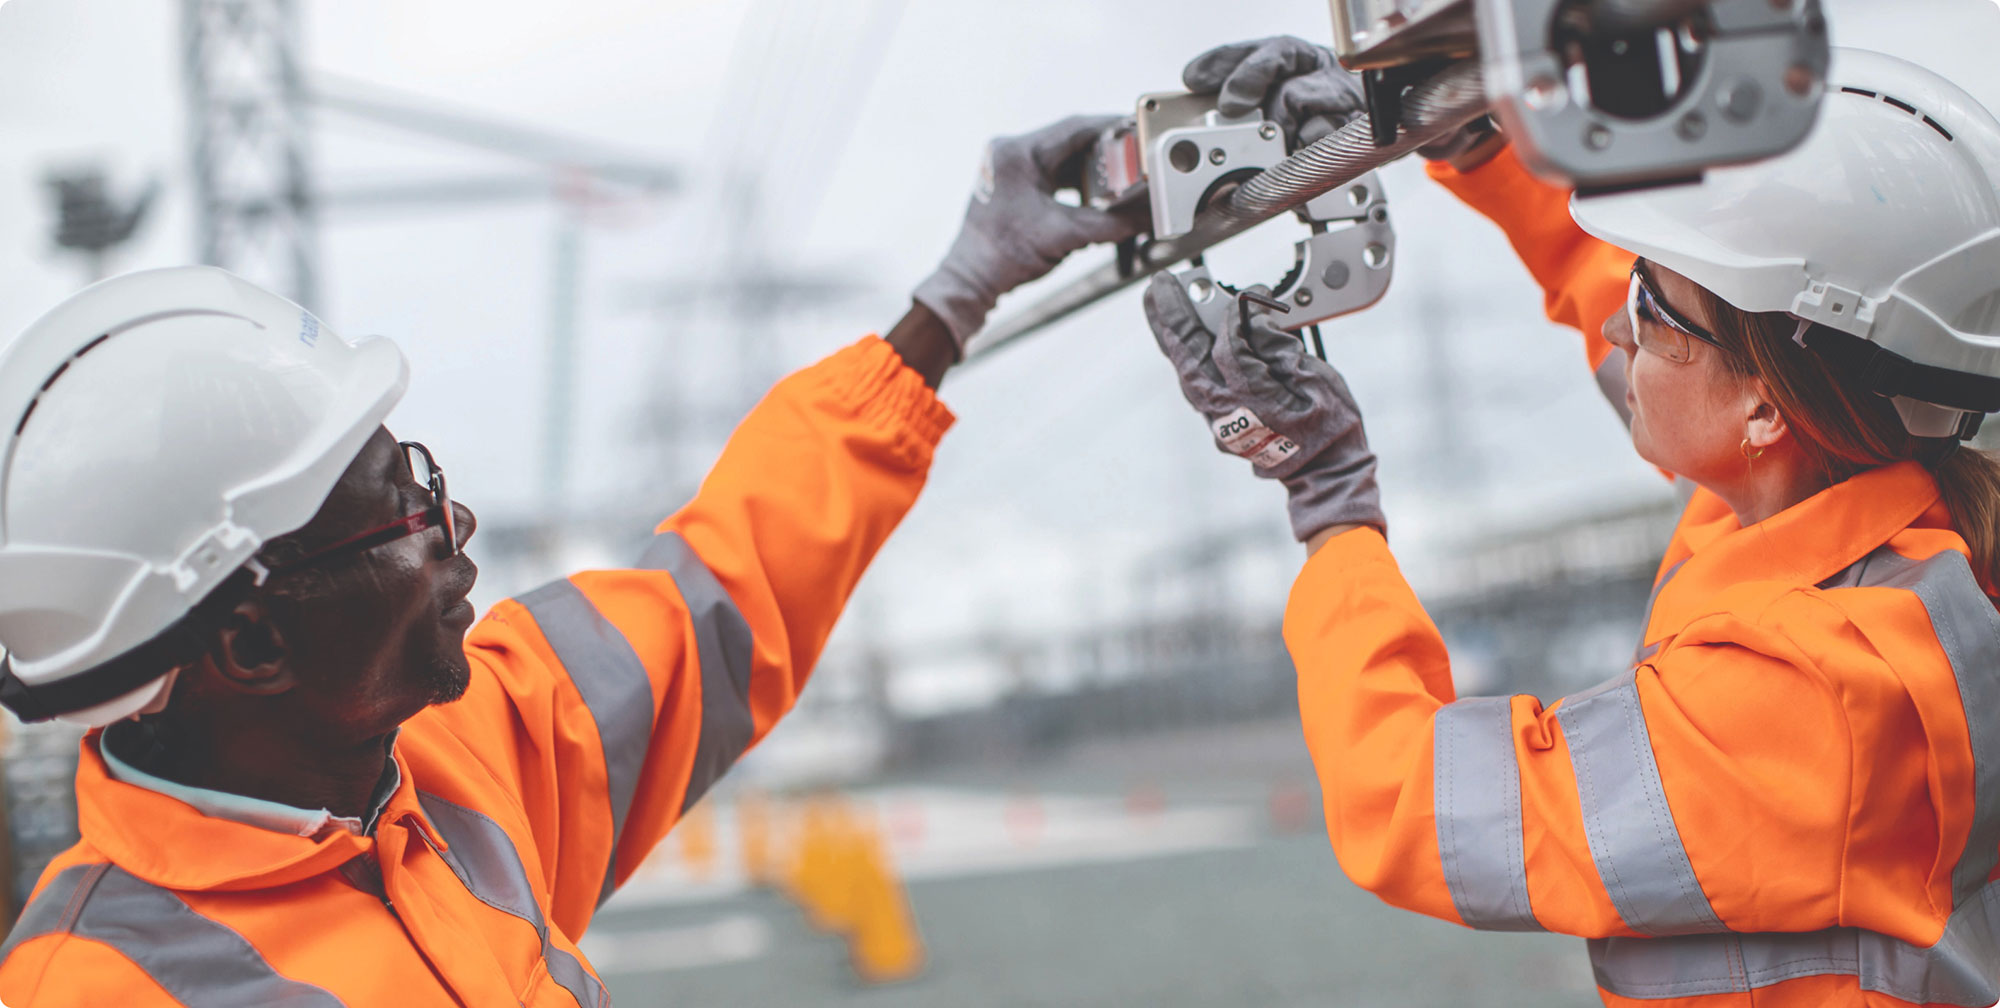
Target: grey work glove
{"x":1265,"y":398}
{"x":1302,"y":88}
{"x":1015,"y":230}
{"x":1297,"y":84}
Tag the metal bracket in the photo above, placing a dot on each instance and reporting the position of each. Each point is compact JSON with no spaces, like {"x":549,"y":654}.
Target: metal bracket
{"x":1346,"y":263}
{"x":1188,"y":150}
{"x":1432,"y":109}
{"x":1344,"y":266}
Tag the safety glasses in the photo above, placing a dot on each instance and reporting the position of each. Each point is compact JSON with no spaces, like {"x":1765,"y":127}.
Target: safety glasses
{"x":425,"y":470}
{"x":1669,"y":333}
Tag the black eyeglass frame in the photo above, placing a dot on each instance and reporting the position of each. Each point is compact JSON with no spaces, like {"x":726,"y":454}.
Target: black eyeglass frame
{"x":438,"y":514}
{"x":1650,"y":302}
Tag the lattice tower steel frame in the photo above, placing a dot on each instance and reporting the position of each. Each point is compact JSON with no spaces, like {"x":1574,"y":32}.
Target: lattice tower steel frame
{"x":250,"y":144}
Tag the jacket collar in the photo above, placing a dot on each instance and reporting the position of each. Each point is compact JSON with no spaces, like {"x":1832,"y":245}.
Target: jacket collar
{"x":245,"y":809}
{"x":172,"y":843}
{"x":1805,"y":544}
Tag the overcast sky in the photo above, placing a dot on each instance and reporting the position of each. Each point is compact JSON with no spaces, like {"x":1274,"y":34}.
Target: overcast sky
{"x":858,"y":125}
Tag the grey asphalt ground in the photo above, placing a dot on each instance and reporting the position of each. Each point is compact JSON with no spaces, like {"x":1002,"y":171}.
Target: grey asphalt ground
{"x":1272,"y":925}
{"x":1275,"y":923}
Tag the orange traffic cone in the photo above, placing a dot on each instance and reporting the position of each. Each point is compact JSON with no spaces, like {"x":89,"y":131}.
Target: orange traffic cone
{"x":821,"y":885}
{"x":883,"y":944}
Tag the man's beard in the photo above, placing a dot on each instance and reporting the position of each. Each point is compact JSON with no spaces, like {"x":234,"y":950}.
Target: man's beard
{"x":445,"y":680}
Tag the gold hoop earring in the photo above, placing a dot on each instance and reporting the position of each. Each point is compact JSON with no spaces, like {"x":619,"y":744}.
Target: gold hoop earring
{"x":1751,"y":455}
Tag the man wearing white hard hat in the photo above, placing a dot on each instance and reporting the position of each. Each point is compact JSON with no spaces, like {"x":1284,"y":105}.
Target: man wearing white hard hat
{"x":306,"y":783}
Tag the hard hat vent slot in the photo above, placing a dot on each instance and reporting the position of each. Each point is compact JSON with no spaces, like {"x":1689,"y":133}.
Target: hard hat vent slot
{"x":1905,"y":106}
{"x":51,"y":380}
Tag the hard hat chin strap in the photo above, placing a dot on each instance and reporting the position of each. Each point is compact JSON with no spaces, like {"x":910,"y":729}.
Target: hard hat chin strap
{"x":175,"y":648}
{"x":103,"y":684}
{"x":1893,"y":376}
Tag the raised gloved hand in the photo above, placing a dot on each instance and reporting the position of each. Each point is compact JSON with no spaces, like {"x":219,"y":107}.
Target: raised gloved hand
{"x":1302,"y":88}
{"x":1296,"y":83}
{"x":1015,"y":230}
{"x":1265,"y":398}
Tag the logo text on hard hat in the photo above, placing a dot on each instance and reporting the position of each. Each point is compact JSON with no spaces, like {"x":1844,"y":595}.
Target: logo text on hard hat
{"x":308,"y":330}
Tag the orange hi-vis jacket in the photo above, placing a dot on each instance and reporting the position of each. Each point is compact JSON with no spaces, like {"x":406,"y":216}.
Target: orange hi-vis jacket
{"x":602,"y":706}
{"x":1791,"y":797}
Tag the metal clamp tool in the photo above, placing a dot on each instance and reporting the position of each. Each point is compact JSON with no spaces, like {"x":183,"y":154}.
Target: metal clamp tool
{"x":1182,"y":155}
{"x":1610,"y":94}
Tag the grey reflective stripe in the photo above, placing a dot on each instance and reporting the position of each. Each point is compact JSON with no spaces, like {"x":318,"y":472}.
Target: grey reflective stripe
{"x":1961,"y":969}
{"x":1968,"y":631}
{"x":1610,"y":376}
{"x":722,"y":638}
{"x":483,"y":857}
{"x":197,"y":960}
{"x":1631,"y":831}
{"x":54,"y":908}
{"x":1477,"y":784}
{"x":614,"y":686}
{"x":1647,"y":651}
{"x":568,"y":972}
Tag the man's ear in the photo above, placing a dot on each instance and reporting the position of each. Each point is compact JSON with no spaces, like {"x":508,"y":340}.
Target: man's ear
{"x":250,"y":654}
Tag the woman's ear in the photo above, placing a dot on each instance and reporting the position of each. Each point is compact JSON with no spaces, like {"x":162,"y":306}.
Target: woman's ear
{"x":1763,"y":425}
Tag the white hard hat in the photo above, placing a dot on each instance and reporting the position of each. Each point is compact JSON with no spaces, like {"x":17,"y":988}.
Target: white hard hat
{"x":160,"y":427}
{"x":1883,"y":225}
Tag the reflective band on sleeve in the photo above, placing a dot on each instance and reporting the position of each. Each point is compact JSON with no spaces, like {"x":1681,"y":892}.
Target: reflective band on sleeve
{"x":483,"y":857}
{"x":197,"y":960}
{"x":53,"y":908}
{"x":568,"y":972}
{"x":1968,"y":630}
{"x":1631,"y":832}
{"x":723,"y":639}
{"x":1961,"y":969}
{"x":614,"y":686}
{"x":1477,"y":782}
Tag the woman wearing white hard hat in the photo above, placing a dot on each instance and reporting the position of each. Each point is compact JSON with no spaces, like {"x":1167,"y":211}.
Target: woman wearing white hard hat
{"x":1792,"y":795}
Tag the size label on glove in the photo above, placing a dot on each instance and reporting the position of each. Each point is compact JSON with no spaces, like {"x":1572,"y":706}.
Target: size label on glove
{"x":1243,"y":433}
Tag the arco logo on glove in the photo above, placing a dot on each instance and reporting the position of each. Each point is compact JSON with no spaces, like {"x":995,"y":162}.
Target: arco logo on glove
{"x":1241,"y":432}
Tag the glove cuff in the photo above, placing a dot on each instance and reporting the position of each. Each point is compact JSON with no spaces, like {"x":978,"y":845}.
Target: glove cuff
{"x":1325,"y":495}
{"x":962,"y":306}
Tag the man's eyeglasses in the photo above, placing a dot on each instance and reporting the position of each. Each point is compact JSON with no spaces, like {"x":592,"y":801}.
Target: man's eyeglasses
{"x":1670,"y":331}
{"x":426,"y":471}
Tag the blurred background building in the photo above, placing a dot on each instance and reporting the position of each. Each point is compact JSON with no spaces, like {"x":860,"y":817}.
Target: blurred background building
{"x":601,"y":229}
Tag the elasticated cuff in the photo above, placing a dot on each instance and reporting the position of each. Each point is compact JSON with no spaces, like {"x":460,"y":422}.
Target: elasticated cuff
{"x":870,"y":381}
